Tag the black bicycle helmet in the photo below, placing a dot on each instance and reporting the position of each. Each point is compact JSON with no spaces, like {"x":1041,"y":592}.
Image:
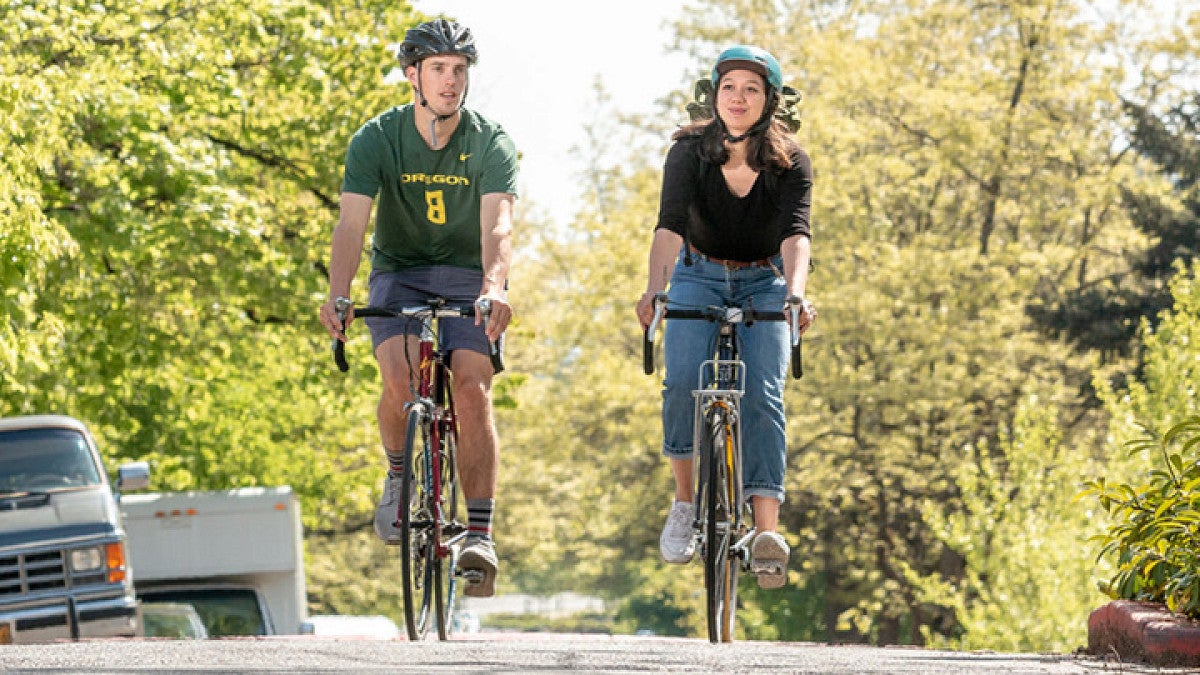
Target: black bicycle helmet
{"x":436,"y":37}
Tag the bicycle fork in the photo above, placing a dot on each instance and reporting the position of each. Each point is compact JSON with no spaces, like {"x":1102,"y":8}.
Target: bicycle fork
{"x":729,"y":455}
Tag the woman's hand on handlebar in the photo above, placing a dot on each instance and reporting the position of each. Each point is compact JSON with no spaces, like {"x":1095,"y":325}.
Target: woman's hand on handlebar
{"x":645,"y":308}
{"x":807,"y":313}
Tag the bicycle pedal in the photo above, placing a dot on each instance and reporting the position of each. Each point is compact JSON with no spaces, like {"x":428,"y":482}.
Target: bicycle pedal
{"x":470,"y":576}
{"x":769,"y":567}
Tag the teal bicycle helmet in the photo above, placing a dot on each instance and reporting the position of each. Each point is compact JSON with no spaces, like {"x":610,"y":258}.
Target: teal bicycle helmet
{"x":750,"y":57}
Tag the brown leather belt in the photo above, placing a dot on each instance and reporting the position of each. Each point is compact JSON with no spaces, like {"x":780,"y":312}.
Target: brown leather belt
{"x":732,"y":264}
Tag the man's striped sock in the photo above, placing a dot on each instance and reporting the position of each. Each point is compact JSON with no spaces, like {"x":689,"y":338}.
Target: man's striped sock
{"x":395,"y":462}
{"x":479,"y":517}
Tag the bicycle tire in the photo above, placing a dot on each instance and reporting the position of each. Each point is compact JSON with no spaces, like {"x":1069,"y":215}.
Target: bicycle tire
{"x":445,"y":583}
{"x":732,"y":566}
{"x":418,"y":556}
{"x":720,"y":578}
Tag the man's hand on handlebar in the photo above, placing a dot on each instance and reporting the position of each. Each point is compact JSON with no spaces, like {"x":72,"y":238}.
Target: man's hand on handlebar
{"x":335,"y":315}
{"x":494,"y":313}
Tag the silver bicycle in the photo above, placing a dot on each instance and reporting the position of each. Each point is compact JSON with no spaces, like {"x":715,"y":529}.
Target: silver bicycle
{"x":724,"y":521}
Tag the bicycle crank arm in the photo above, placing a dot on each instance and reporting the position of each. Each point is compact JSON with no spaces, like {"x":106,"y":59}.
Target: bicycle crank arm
{"x":743,"y":544}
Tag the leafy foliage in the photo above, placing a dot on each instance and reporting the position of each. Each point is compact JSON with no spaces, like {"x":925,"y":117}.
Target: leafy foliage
{"x":1018,"y":532}
{"x":1107,"y":313}
{"x":1153,"y":493}
{"x":168,"y":181}
{"x":1156,"y":537}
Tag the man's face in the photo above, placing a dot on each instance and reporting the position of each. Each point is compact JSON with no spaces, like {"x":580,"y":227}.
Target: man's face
{"x":443,"y":81}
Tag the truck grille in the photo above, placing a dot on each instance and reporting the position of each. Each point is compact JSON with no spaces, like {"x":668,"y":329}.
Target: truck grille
{"x":32,"y":573}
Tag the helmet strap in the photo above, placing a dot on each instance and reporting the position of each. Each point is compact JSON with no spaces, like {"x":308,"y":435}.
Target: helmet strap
{"x":729,"y":138}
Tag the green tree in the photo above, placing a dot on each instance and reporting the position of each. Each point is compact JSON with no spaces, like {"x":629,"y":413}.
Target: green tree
{"x":1164,"y":393}
{"x":1027,"y":583}
{"x":1149,"y":486}
{"x":169,"y":180}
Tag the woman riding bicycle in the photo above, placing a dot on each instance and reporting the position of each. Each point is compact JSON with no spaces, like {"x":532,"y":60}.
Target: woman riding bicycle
{"x":733,"y":229}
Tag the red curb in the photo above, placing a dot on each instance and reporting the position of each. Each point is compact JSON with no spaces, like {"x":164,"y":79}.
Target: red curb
{"x":1144,"y":631}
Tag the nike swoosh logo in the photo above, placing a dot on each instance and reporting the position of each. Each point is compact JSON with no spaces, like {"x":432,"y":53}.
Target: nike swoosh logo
{"x":462,"y":157}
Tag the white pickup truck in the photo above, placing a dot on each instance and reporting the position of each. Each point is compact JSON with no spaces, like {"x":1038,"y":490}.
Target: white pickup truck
{"x":236,"y":556}
{"x":63,"y":566}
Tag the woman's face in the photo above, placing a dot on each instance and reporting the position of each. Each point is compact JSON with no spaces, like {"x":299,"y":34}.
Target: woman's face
{"x":741,"y":99}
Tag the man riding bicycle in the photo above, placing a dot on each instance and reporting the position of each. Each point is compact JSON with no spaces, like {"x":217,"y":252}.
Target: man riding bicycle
{"x":446,"y":180}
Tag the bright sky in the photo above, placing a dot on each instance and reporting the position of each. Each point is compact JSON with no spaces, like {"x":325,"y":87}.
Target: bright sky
{"x":538,"y":61}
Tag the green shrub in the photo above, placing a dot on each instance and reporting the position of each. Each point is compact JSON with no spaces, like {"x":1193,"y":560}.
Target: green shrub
{"x":582,"y":622}
{"x":1155,"y":533}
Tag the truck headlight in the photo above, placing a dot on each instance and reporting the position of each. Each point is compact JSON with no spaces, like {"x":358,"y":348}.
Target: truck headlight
{"x":87,"y":559}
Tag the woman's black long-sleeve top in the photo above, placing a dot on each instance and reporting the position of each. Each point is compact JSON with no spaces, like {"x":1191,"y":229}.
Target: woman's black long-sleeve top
{"x":697,"y":204}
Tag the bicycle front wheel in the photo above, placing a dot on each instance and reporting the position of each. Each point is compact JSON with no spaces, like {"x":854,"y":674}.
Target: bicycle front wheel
{"x":445,"y":583}
{"x":418,"y":554}
{"x":720,"y":576}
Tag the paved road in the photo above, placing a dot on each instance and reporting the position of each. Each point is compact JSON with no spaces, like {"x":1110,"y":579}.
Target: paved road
{"x":522,"y":653}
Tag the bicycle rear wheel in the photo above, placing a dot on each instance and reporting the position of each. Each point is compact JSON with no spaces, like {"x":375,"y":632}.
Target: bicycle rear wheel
{"x":418,"y":555}
{"x":720,"y":575}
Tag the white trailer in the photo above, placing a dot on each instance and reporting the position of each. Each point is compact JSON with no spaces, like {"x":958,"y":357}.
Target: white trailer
{"x":237,"y":556}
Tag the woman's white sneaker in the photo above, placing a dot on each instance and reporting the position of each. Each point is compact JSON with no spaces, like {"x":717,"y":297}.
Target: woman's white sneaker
{"x":677,"y":543}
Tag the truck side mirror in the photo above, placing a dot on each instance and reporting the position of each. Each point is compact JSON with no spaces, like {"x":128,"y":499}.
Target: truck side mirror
{"x":133,"y":476}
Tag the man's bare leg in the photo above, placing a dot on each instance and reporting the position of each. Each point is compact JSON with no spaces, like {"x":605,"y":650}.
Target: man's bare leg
{"x":393,"y":423}
{"x":478,"y":464}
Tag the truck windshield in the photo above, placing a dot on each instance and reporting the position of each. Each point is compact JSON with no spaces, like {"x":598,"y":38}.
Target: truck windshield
{"x":224,"y":611}
{"x":37,"y":460}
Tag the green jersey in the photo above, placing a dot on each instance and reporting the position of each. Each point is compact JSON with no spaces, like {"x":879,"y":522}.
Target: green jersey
{"x":428,"y":200}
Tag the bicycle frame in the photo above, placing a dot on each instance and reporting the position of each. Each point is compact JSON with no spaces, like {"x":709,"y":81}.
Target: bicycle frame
{"x":722,"y":384}
{"x":427,"y":519}
{"x":433,"y":393}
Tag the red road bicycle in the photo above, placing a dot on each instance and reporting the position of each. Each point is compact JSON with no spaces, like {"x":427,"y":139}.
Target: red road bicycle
{"x":431,"y":532}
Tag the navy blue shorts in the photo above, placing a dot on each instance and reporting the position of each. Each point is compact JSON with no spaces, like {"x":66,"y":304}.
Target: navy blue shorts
{"x":412,"y":288}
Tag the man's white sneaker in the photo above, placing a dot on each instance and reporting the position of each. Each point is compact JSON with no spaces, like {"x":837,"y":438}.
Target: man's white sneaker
{"x":385,"y":513}
{"x":768,"y":559}
{"x":677,"y":543}
{"x":478,"y":562}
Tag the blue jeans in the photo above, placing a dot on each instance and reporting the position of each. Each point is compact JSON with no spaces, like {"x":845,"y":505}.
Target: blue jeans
{"x":764,"y":347}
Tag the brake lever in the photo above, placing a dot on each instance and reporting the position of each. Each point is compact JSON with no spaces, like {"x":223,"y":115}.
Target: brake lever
{"x":342,"y":307}
{"x":660,"y":306}
{"x":484,"y":307}
{"x":794,"y":306}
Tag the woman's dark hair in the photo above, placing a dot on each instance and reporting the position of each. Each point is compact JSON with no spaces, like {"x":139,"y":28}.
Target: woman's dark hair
{"x":768,"y":150}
